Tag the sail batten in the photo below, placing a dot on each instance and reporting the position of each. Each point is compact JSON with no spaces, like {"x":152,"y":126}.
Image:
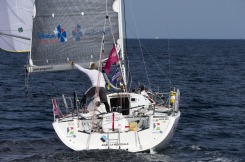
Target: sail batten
{"x":72,"y":29}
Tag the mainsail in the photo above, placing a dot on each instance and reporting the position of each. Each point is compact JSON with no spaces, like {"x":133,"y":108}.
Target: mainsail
{"x":16,"y":25}
{"x":77,"y":30}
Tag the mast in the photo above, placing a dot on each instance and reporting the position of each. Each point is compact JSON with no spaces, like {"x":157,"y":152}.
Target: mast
{"x":121,"y":41}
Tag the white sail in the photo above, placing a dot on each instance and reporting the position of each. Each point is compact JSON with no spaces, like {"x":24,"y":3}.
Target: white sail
{"x":16,"y":25}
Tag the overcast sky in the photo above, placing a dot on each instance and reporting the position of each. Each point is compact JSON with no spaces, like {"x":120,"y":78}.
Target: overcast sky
{"x":188,"y":19}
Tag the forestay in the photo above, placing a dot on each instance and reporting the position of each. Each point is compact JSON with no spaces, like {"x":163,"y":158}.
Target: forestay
{"x":16,"y":25}
{"x":71,"y":30}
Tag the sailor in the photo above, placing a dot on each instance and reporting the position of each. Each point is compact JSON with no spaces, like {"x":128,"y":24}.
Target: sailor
{"x":97,"y":80}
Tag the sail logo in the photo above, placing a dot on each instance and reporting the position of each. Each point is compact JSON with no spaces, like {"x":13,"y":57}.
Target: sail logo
{"x":98,"y":32}
{"x":60,"y":33}
{"x":77,"y":33}
{"x":20,"y":29}
{"x":45,"y":36}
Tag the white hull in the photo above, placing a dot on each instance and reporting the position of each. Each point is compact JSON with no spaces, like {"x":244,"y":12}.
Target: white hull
{"x":133,"y":141}
{"x":154,"y":131}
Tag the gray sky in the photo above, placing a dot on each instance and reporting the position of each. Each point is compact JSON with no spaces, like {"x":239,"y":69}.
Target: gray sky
{"x":188,"y":19}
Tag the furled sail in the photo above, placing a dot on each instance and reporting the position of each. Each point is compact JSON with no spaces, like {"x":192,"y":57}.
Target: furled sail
{"x":71,"y":30}
{"x":16,"y":25}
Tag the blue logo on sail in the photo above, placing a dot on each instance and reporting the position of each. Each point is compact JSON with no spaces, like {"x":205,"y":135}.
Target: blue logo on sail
{"x":77,"y":33}
{"x":41,"y":35}
{"x":60,"y":33}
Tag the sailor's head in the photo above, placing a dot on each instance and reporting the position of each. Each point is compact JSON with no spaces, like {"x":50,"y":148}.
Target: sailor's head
{"x":93,"y":66}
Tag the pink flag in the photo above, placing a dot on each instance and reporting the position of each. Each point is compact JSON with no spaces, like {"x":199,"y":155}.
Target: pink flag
{"x":55,"y":107}
{"x":113,"y":58}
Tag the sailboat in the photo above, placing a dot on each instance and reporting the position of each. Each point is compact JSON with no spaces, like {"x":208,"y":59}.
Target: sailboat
{"x":85,"y":32}
{"x":16,"y":25}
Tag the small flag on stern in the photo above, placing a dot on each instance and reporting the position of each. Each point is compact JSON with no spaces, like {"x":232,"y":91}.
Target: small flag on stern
{"x":113,"y":58}
{"x":55,"y":107}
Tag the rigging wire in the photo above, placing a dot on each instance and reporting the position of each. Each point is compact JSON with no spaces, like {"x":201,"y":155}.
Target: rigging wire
{"x":97,"y":90}
{"x":169,"y":67}
{"x":169,"y":79}
{"x":27,"y":93}
{"x":126,"y":61}
{"x":129,"y":77}
{"x":142,"y":47}
{"x":169,"y":62}
{"x":120,"y":63}
{"x":140,"y":44}
{"x":30,"y":95}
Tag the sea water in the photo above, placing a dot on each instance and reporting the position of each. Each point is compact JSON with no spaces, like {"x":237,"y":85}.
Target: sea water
{"x":209,"y":73}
